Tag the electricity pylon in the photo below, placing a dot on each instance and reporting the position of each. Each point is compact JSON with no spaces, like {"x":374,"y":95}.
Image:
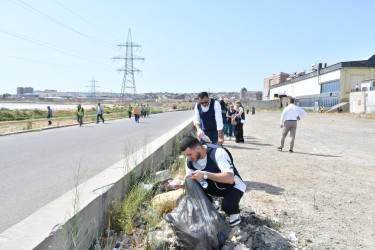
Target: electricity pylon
{"x":128,"y":81}
{"x":93,"y":87}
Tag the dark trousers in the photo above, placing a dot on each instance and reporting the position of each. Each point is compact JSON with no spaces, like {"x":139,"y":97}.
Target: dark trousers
{"x":79,"y":119}
{"x":239,"y":132}
{"x":130,"y":114}
{"x":49,"y":121}
{"x":231,"y":197}
{"x":101,"y":117}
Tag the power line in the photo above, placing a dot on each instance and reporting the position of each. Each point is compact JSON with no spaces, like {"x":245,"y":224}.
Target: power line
{"x":45,"y":45}
{"x":87,"y":21}
{"x":53,"y":20}
{"x":47,"y":63}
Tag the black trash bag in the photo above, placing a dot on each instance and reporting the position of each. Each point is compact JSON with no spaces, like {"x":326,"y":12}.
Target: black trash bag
{"x":195,"y":221}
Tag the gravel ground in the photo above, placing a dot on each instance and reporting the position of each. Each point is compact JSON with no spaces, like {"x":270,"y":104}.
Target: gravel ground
{"x":324,"y":191}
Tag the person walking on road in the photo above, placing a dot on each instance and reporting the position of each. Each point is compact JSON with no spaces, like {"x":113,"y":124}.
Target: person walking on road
{"x":100,"y":113}
{"x":288,"y":122}
{"x":142,"y":110}
{"x":207,"y":112}
{"x":49,"y":115}
{"x":247,"y":109}
{"x":147,"y":110}
{"x":253,"y":109}
{"x":213,"y":165}
{"x":80,"y":114}
{"x":137,"y":113}
{"x":130,"y":110}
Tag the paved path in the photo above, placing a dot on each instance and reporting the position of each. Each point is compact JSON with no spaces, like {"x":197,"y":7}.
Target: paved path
{"x":38,"y":167}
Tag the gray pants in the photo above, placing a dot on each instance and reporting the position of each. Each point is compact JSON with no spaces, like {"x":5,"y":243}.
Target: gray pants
{"x":292,"y":127}
{"x":79,"y":119}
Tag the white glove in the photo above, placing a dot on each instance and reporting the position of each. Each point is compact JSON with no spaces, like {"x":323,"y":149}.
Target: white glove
{"x":200,"y":133}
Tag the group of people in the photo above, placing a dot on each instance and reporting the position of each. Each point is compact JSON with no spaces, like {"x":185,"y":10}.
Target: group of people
{"x":143,"y":111}
{"x":252,"y":109}
{"x":209,"y":162}
{"x":216,"y":119}
{"x":213,"y":164}
{"x":81,"y":114}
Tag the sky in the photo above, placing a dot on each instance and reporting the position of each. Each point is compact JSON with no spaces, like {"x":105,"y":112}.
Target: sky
{"x":188,"y":46}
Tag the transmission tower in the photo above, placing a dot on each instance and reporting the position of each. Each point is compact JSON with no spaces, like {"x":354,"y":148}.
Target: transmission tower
{"x":128,"y":81}
{"x":93,"y":87}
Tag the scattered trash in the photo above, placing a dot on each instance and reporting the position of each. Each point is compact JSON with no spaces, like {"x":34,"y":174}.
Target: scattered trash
{"x":292,"y":236}
{"x":145,"y":186}
{"x":166,"y":201}
{"x":175,"y":184}
{"x":161,"y":187}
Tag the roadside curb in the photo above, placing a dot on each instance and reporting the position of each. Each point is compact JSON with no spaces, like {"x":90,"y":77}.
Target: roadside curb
{"x":51,"y":226}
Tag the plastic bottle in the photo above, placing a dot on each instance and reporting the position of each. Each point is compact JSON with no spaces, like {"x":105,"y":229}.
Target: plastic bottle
{"x":203,"y":183}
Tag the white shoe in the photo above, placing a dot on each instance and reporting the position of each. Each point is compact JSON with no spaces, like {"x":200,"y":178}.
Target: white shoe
{"x":234,"y":219}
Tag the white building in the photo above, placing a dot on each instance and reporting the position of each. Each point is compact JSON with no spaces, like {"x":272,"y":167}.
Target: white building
{"x":325,"y":86}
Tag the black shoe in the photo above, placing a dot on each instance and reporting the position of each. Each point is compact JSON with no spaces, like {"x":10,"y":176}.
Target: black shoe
{"x":291,"y":151}
{"x":280,"y":148}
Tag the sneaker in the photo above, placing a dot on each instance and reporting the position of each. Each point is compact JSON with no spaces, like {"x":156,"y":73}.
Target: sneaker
{"x":280,"y":148}
{"x":291,"y":151}
{"x":234,"y":219}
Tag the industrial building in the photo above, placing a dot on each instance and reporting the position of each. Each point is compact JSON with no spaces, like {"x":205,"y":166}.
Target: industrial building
{"x":324,"y":85}
{"x":24,"y":90}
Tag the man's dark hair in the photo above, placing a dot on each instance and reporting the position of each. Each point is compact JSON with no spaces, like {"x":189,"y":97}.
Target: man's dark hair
{"x":189,"y":142}
{"x":291,"y":100}
{"x":222,"y":103}
{"x":202,"y":95}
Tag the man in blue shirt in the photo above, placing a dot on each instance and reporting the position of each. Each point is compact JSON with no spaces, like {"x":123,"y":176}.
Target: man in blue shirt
{"x":100,"y":114}
{"x":49,"y":115}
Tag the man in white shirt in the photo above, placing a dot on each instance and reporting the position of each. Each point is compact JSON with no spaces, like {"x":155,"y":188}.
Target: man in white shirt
{"x":207,"y":112}
{"x":288,"y":121}
{"x":212,"y":165}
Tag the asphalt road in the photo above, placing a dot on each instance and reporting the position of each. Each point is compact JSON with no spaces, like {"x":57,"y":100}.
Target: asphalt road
{"x":38,"y":167}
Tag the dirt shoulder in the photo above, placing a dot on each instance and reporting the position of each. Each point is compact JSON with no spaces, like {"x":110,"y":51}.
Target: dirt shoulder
{"x":324,"y":192}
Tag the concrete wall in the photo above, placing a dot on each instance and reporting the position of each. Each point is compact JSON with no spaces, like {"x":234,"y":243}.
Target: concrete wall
{"x":51,"y":226}
{"x":262,"y":104}
{"x":350,"y":77}
{"x":362,"y":102}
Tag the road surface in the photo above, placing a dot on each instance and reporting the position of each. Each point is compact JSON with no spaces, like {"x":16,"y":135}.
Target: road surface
{"x":38,"y":167}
